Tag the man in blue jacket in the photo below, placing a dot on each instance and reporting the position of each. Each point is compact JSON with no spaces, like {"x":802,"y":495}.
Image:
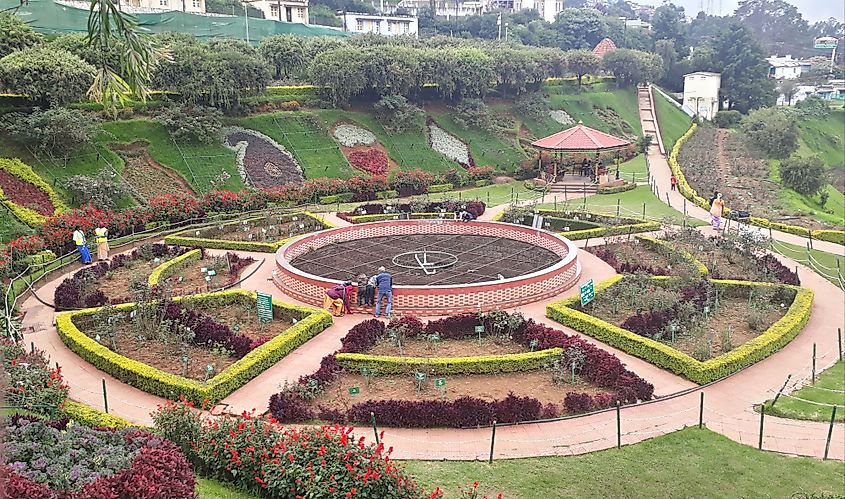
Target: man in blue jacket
{"x":384,"y":285}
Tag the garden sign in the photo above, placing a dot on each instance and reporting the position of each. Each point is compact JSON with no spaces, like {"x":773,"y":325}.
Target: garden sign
{"x":588,"y":292}
{"x":264,"y":306}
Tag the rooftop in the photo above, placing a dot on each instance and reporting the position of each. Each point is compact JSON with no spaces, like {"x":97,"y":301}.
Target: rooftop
{"x":580,"y":138}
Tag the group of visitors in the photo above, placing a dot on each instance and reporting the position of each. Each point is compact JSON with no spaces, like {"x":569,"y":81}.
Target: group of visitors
{"x":101,"y":235}
{"x":371,"y":291}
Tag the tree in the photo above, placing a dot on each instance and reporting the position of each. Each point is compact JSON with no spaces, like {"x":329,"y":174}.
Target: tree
{"x":284,"y":53}
{"x":397,"y":115}
{"x":805,"y":175}
{"x":772,"y":131}
{"x":50,"y":77}
{"x":745,"y":82}
{"x":322,"y":15}
{"x":102,"y":190}
{"x":632,"y":66}
{"x":516,"y":70}
{"x":58,"y":131}
{"x":192,"y":124}
{"x":338,"y":72}
{"x":668,"y":24}
{"x":582,"y":62}
{"x":777,"y":25}
{"x":16,"y":34}
{"x":579,"y":28}
{"x":787,"y":90}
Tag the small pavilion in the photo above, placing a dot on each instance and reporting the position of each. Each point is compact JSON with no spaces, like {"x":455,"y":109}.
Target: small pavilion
{"x":581,"y":140}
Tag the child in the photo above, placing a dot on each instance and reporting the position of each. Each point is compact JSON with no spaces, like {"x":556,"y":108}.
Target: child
{"x":673,"y":181}
{"x":371,"y":290}
{"x":362,"y":289}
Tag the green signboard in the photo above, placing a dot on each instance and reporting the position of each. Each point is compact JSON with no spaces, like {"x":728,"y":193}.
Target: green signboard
{"x":588,"y":292}
{"x":264,"y":305}
{"x":419,"y":376}
{"x":439,"y":382}
{"x":354,"y":390}
{"x":479,"y":329}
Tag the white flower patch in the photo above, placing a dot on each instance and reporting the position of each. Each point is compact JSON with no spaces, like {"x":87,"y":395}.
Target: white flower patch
{"x":561,"y":117}
{"x":241,"y":146}
{"x":448,"y":145}
{"x":351,"y":135}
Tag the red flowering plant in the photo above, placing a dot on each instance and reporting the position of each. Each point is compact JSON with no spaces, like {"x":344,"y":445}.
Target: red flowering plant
{"x":371,"y":161}
{"x":175,"y":208}
{"x":32,"y":383}
{"x":412,"y":182}
{"x":480,"y":172}
{"x":229,"y":201}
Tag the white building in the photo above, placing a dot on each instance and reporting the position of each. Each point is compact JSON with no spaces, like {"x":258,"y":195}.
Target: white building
{"x":150,"y":6}
{"x":786,"y":68}
{"x":548,"y":9}
{"x":291,"y":11}
{"x":701,"y":93}
{"x":385,"y":25}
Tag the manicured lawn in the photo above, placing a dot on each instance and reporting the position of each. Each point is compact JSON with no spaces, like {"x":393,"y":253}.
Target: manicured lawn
{"x":824,"y":263}
{"x":635,"y":169}
{"x":317,"y":153}
{"x":409,"y":149}
{"x":200,"y":164}
{"x":829,"y":389}
{"x":588,"y":106}
{"x":825,"y":137}
{"x":687,"y":463}
{"x":487,"y":148}
{"x":212,"y":489}
{"x":672,"y":121}
{"x":631,"y":205}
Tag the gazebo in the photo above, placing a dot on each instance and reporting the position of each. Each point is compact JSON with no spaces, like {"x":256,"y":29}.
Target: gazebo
{"x":582,"y":139}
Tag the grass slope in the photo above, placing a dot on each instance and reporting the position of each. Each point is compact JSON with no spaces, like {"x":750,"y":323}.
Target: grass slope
{"x":687,"y":463}
{"x":810,"y":205}
{"x":11,"y":227}
{"x":824,"y":137}
{"x":317,"y":153}
{"x":829,"y":389}
{"x":824,"y":263}
{"x":587,"y":106}
{"x":672,"y":121}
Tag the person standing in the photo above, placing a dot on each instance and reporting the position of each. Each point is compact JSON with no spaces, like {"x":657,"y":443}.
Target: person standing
{"x":362,"y":289}
{"x":717,"y":207}
{"x":102,"y":240}
{"x":82,"y":246}
{"x":673,"y":182}
{"x":371,"y":290}
{"x":384,"y":285}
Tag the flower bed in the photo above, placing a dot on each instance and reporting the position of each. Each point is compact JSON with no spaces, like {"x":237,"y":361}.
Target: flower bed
{"x":258,"y":455}
{"x":45,"y":460}
{"x":30,"y":198}
{"x":578,"y":224}
{"x":31,"y":383}
{"x":665,"y":356}
{"x":307,"y":323}
{"x":350,"y":135}
{"x":384,"y":211}
{"x":372,"y":161}
{"x":648,"y":255}
{"x":196,"y":272}
{"x":316,"y":396}
{"x":448,"y":145}
{"x":115,"y":281}
{"x":262,"y":162}
{"x":263,"y":234}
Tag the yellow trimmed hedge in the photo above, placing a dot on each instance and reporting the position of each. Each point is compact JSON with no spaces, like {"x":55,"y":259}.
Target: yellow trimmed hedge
{"x":89,"y":416}
{"x":182,"y":239}
{"x":686,"y":255}
{"x":173,"y":265}
{"x":666,"y":357}
{"x":158,"y":382}
{"x":483,"y":364}
{"x":23,"y":172}
{"x":833,"y":236}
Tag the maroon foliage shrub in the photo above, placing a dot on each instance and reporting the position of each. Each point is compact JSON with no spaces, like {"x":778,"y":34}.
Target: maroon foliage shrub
{"x":15,"y":485}
{"x":471,"y":411}
{"x":289,"y":407}
{"x":476,"y":208}
{"x":649,"y":323}
{"x":330,"y":414}
{"x":549,"y":411}
{"x":413,"y":326}
{"x":513,"y":408}
{"x":328,"y":371}
{"x":779,"y":270}
{"x":362,"y":336}
{"x":453,"y":327}
{"x":578,"y":402}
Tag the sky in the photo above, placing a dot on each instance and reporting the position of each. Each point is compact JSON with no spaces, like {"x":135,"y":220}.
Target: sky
{"x":812,"y":10}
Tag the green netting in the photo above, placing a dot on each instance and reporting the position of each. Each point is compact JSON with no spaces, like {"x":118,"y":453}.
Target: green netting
{"x":49,"y":17}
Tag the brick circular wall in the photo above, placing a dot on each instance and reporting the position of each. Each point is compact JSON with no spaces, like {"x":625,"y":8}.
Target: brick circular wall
{"x":438,"y":299}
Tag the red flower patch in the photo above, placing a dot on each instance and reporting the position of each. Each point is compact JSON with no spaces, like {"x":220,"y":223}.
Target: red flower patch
{"x":25,"y":194}
{"x":371,"y":161}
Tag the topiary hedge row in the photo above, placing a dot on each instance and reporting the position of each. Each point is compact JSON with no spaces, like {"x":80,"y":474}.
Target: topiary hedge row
{"x":158,"y":382}
{"x":664,"y":356}
{"x":173,"y":266}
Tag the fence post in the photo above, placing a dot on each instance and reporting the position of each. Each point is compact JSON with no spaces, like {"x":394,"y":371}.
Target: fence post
{"x":829,"y":432}
{"x":492,"y":443}
{"x":777,"y":395}
{"x":762,"y":415}
{"x":617,"y":207}
{"x":105,"y":397}
{"x":667,"y":200}
{"x":701,"y":412}
{"x":375,"y":430}
{"x":32,"y":347}
{"x":813,"y":379}
{"x":488,"y":197}
{"x":839,"y":343}
{"x":643,"y":211}
{"x":618,"y":425}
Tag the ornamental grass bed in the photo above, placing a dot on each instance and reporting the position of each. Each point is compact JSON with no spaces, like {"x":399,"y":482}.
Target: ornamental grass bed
{"x":164,"y":334}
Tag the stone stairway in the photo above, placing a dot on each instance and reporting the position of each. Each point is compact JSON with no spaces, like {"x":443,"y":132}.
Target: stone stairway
{"x":648,"y":116}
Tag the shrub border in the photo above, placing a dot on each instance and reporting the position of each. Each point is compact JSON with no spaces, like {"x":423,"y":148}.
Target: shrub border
{"x":666,"y":357}
{"x":481,"y":364}
{"x":611,"y":230}
{"x":23,"y":172}
{"x":832,"y":236}
{"x":224,"y":244}
{"x":164,"y":384}
{"x":89,"y":416}
{"x":173,"y":265}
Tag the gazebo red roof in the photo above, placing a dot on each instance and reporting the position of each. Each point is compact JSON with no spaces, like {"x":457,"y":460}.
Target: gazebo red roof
{"x":580,"y":138}
{"x":603,"y":47}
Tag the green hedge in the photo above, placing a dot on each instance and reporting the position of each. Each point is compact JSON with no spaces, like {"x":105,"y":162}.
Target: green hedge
{"x":483,"y":364}
{"x":89,"y":416}
{"x":164,"y":384}
{"x":614,"y":230}
{"x":343,"y":197}
{"x":482,"y":182}
{"x":628,"y":186}
{"x":435,"y":188}
{"x":173,"y":265}
{"x":666,"y":357}
{"x":293,"y":91}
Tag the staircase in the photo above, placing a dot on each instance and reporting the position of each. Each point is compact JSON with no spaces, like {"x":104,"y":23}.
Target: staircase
{"x":573,"y":187}
{"x":648,"y":116}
